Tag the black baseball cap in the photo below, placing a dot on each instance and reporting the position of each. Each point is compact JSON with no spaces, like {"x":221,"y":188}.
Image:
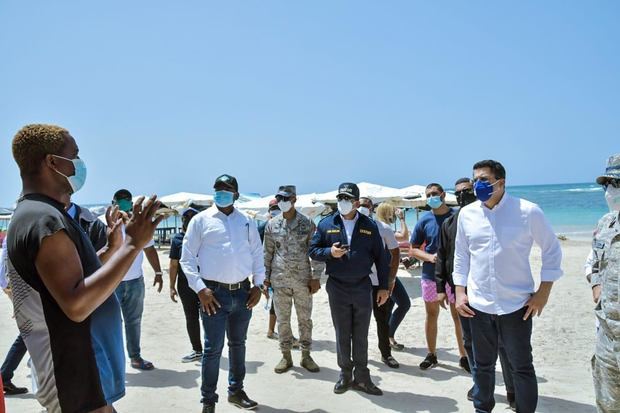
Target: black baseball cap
{"x":122,"y":194}
{"x":350,"y":189}
{"x":227,"y":180}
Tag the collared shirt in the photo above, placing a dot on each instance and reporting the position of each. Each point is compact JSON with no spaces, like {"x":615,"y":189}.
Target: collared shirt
{"x":349,"y":226}
{"x":286,"y":245}
{"x":493,"y":249}
{"x":222,"y":248}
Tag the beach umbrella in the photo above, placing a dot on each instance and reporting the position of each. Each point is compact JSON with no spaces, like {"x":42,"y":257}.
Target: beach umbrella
{"x":416,"y":194}
{"x":259,"y":208}
{"x":181,"y":200}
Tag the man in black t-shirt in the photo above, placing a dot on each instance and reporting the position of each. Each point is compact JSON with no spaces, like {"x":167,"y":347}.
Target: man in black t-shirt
{"x":63,"y":299}
{"x":189,"y":299}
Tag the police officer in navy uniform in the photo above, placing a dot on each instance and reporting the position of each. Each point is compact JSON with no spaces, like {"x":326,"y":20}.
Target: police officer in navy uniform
{"x":349,"y":243}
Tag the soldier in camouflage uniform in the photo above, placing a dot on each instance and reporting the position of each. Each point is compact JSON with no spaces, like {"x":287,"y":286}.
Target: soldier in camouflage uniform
{"x":605,"y":283}
{"x":289,"y":273}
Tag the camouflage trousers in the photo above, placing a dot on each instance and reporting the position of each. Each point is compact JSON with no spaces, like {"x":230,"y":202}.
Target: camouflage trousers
{"x":283,"y":300}
{"x":606,"y":372}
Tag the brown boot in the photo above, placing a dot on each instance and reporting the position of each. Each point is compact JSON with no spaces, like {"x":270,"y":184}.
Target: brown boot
{"x":308,"y":363}
{"x":285,"y":364}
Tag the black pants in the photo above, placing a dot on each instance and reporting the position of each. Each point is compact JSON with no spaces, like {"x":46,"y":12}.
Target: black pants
{"x":487,"y":330}
{"x":191,"y":308}
{"x":351,"y":309}
{"x":13,"y":358}
{"x":382,"y":317}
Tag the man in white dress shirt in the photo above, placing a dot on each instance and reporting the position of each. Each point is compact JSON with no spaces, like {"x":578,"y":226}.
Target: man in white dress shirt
{"x":221,"y":251}
{"x":493,"y":243}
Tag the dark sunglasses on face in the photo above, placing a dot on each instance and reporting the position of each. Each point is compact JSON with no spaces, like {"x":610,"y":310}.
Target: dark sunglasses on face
{"x":614,"y":183}
{"x":282,"y":198}
{"x":344,"y":197}
{"x":464,"y":191}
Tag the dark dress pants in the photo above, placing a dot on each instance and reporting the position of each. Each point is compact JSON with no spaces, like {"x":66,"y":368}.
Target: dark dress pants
{"x":351,"y":309}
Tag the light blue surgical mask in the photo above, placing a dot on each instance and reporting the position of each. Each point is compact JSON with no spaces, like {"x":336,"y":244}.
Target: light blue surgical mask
{"x":77,"y":180}
{"x":224,"y":199}
{"x":434,"y":202}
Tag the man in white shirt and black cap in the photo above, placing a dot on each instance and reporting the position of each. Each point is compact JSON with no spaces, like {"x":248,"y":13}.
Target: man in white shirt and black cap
{"x":493,"y":243}
{"x":349,"y":243}
{"x":221,"y":252}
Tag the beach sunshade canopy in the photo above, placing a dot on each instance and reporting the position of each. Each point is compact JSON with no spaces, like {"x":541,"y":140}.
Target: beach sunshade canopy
{"x":259,"y":208}
{"x":182,"y":200}
{"x":377,"y":193}
{"x":416,"y":195}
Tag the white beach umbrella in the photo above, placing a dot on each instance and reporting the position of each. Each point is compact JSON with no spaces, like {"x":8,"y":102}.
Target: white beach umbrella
{"x":181,"y":200}
{"x":416,"y":194}
{"x":259,"y":208}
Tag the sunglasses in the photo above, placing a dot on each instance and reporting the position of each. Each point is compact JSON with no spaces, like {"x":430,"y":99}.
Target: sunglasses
{"x":344,"y":197}
{"x":613,"y":182}
{"x":282,"y":198}
{"x":464,"y":191}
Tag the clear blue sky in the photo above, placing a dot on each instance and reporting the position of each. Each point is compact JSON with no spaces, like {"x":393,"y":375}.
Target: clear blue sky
{"x":163,"y":96}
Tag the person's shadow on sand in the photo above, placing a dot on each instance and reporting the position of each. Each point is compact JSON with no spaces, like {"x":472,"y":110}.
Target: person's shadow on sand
{"x":251,"y":367}
{"x":411,"y":402}
{"x":161,"y":378}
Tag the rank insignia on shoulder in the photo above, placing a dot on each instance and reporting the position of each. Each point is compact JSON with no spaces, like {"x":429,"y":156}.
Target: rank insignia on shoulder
{"x":365,"y":231}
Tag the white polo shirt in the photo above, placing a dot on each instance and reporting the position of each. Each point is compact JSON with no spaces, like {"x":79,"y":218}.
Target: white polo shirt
{"x":389,"y":241}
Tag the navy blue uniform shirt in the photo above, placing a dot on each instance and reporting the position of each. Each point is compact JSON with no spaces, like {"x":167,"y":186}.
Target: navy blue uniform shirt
{"x":366,"y":249}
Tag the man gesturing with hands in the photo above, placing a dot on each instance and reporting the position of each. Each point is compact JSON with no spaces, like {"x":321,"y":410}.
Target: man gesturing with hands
{"x":493,"y":243}
{"x":65,"y":302}
{"x":221,"y":251}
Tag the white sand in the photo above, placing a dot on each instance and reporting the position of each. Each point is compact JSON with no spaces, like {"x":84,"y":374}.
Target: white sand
{"x":563,"y":343}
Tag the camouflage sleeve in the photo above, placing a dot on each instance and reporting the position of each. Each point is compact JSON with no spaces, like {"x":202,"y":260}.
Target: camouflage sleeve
{"x":269,"y":248}
{"x":595,"y":262}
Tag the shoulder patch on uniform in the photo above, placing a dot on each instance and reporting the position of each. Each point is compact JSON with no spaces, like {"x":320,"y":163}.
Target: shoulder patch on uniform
{"x":365,"y":231}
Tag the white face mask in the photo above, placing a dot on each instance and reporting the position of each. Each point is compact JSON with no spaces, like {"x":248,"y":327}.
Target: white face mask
{"x":285,"y":206}
{"x":345,"y":207}
{"x":364,"y":211}
{"x":612,"y":196}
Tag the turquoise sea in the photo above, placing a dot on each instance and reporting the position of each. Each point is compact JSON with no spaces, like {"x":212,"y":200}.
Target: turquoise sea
{"x":572,"y":209}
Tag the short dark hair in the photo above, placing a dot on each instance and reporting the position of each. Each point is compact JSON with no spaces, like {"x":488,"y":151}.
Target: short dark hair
{"x":462,"y":181}
{"x":122,"y":194}
{"x":436,"y":185}
{"x":33,"y":142}
{"x":497,"y":168}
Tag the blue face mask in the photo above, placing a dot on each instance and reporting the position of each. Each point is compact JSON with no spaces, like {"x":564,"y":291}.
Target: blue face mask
{"x":434,"y":202}
{"x":224,"y":199}
{"x":77,"y":180}
{"x":483,"y":190}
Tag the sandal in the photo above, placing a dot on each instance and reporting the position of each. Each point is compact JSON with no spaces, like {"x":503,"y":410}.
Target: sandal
{"x":141,"y":364}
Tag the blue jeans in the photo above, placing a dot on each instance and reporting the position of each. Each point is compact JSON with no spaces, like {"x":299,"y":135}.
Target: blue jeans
{"x":13,"y":358}
{"x":130,"y":295}
{"x":487,"y":330}
{"x":231,"y":319}
{"x":403,"y":303}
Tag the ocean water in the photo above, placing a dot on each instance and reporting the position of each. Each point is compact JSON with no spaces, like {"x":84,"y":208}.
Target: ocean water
{"x":572,"y":209}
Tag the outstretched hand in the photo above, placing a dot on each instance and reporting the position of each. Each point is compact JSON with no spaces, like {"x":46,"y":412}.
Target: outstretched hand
{"x":142,"y":224}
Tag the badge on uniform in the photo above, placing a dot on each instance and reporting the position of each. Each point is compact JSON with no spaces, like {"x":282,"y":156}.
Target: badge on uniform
{"x":598,"y":244}
{"x":333,"y":231}
{"x":365,"y":231}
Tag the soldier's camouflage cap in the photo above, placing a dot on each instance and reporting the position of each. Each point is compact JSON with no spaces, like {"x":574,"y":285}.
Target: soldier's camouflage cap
{"x":287,"y":191}
{"x":612,"y":171}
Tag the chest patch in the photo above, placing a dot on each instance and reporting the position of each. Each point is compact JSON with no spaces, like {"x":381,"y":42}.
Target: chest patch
{"x":365,"y":231}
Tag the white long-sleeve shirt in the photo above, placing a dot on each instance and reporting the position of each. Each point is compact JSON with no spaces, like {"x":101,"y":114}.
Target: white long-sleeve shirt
{"x":222,"y":248}
{"x":492,"y":252}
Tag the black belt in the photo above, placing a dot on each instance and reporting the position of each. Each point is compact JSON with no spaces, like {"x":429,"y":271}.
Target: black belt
{"x":230,"y":287}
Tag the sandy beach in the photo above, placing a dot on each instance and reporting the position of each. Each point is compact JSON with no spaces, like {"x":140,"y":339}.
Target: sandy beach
{"x":563,"y":345}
